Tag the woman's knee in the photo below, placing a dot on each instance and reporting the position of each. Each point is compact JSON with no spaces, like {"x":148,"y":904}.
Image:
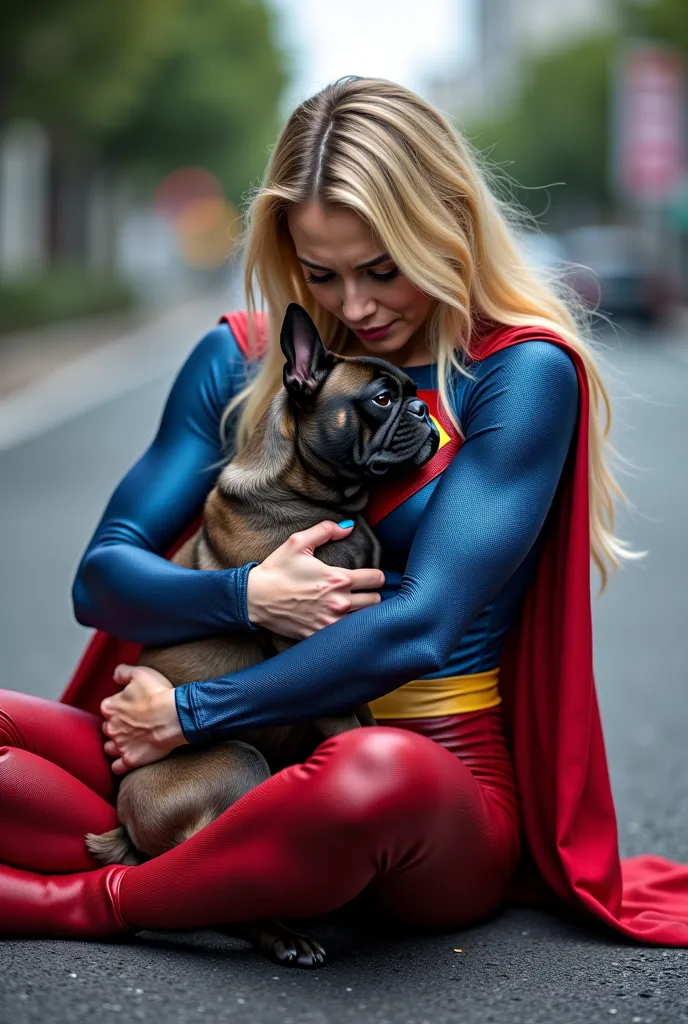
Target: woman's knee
{"x":11,"y":705}
{"x":380,"y":772}
{"x":64,"y":735}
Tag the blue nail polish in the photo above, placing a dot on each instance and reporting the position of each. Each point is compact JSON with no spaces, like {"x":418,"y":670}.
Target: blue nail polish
{"x":346,"y":523}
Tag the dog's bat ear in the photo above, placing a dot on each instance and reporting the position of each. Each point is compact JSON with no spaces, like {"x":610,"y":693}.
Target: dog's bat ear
{"x":308,"y":361}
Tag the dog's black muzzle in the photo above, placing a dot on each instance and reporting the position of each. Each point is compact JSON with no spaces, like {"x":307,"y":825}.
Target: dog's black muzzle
{"x":414,"y":441}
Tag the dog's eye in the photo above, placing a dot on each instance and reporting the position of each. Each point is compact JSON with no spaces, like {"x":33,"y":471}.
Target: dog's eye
{"x":383,"y":399}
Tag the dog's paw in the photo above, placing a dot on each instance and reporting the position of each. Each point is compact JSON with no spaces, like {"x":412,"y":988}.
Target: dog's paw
{"x":283,"y":945}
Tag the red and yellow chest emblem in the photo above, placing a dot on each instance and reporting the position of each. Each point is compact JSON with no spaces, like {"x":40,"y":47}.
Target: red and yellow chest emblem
{"x":386,"y":496}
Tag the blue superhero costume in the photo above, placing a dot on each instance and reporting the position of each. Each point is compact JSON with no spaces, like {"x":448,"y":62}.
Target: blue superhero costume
{"x":457,"y":554}
{"x":428,"y":833}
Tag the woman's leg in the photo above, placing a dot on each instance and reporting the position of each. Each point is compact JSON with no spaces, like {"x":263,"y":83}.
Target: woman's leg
{"x":68,"y":737}
{"x":55,"y":784}
{"x":380,"y":805}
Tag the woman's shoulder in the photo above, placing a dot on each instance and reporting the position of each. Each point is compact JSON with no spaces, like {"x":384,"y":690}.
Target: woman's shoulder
{"x":216,"y":368}
{"x":535,"y":359}
{"x":227,"y":343}
{"x":535,"y":374}
{"x":251,"y":346}
{"x":228,"y":340}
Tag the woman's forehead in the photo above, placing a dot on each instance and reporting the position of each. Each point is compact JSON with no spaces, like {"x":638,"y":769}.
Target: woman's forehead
{"x":319,"y":231}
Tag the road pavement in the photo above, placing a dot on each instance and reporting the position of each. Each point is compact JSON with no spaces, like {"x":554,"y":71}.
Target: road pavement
{"x":522,"y":966}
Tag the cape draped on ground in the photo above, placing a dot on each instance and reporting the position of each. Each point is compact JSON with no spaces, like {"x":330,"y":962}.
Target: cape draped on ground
{"x":571,"y":857}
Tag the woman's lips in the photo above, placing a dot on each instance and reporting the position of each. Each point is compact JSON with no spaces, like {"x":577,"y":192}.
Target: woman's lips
{"x":375,"y":332}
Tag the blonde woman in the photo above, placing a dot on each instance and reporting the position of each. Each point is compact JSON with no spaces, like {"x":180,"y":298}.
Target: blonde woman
{"x":486,"y":777}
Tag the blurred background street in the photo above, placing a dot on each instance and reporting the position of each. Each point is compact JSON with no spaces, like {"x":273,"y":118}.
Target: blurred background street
{"x":130,"y":135}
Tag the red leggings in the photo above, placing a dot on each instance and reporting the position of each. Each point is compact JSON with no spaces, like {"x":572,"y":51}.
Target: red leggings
{"x":419,"y":818}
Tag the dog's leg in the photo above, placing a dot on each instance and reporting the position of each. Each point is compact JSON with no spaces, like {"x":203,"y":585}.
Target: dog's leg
{"x":282,"y":945}
{"x":364,"y":715}
{"x":334,"y":724}
{"x":331,"y":725}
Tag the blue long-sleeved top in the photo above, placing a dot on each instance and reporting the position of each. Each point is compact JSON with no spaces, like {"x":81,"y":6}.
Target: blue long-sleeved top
{"x":123,"y":584}
{"x":457,"y":555}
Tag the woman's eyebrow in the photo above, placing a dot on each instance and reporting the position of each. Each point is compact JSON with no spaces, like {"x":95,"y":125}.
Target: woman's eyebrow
{"x":361,"y":266}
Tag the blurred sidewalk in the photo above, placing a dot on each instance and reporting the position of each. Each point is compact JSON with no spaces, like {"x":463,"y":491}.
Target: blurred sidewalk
{"x":52,"y":374}
{"x":27,"y":356}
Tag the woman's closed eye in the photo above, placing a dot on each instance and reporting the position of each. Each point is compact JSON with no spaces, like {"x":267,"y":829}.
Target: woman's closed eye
{"x":324,"y":278}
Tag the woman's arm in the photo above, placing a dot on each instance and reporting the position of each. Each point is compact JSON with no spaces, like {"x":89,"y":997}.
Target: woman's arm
{"x":124,"y":585}
{"x":481,"y":521}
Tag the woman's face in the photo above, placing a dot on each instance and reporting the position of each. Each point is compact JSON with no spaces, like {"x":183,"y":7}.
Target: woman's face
{"x":333,"y":245}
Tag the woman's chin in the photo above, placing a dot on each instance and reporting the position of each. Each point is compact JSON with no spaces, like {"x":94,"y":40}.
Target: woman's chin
{"x":392,"y":349}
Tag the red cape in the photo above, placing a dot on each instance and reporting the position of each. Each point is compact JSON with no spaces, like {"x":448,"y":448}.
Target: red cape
{"x":571,"y":858}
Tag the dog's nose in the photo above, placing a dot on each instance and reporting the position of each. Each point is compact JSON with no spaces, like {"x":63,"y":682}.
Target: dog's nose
{"x":418,"y":408}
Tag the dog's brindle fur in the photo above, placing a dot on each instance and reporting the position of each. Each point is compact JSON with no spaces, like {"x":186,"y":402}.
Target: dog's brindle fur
{"x":310,"y":458}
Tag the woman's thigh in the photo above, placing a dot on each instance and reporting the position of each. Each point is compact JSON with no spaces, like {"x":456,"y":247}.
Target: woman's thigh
{"x":460,"y":864}
{"x":380,"y":811}
{"x":68,"y":737}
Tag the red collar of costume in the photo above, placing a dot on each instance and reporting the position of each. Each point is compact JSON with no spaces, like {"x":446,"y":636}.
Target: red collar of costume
{"x":571,"y":856}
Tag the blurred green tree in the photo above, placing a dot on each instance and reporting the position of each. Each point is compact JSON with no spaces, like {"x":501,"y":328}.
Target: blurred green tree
{"x":78,"y":66}
{"x":558,"y":129}
{"x":213,"y":99}
{"x":157,"y":81}
{"x":140,"y":83}
{"x":665,"y":20}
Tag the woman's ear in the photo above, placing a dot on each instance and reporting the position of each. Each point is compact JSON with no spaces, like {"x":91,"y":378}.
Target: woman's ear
{"x":308,"y":361}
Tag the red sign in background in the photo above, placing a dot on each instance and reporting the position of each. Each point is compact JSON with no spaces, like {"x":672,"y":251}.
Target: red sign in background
{"x":651,"y":123}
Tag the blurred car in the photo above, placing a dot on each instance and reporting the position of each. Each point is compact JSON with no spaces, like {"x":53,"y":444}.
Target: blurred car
{"x":616,"y":270}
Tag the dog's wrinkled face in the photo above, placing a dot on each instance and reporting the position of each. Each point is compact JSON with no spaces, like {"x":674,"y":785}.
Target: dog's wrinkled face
{"x":357,"y":416}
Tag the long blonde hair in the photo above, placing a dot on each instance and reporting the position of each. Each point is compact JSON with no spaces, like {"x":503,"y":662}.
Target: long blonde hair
{"x":383,"y":152}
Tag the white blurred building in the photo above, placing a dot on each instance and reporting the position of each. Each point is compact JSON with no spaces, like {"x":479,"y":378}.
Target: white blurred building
{"x":506,"y":31}
{"x":24,"y":169}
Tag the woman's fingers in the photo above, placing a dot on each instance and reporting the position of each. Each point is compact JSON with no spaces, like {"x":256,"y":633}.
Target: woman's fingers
{"x":363,"y":601}
{"x":366,"y":579}
{"x":123,"y":674}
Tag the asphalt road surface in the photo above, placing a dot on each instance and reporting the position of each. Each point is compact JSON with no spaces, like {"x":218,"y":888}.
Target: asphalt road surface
{"x":521,"y":966}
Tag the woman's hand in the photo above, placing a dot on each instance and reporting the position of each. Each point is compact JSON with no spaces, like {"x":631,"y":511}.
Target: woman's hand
{"x":294,"y":594}
{"x":141,"y":721}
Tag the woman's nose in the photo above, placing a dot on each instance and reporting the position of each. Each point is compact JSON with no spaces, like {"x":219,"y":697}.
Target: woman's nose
{"x":356,"y":306}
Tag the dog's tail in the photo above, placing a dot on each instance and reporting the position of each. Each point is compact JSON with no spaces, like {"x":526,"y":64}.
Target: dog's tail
{"x":113,"y":847}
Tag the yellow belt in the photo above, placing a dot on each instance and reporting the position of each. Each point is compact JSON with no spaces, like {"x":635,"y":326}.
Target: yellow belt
{"x":435,"y":698}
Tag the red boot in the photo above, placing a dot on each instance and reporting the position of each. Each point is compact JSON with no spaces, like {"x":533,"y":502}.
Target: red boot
{"x":84,"y":905}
